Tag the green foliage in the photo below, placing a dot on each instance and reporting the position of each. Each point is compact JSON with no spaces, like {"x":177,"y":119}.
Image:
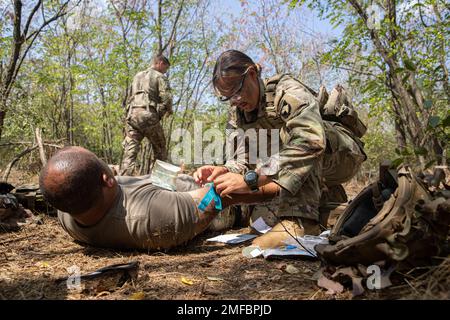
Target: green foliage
{"x":379,"y":145}
{"x":74,"y":82}
{"x":420,"y":50}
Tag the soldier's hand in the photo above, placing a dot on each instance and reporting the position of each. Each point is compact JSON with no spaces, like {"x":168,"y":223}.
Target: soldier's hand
{"x":208,"y":173}
{"x":230,"y":183}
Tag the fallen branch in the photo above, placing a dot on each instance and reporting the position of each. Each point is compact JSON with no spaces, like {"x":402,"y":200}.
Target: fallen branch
{"x":40,"y":145}
{"x":19,"y":238}
{"x":19,"y":143}
{"x":17,"y":158}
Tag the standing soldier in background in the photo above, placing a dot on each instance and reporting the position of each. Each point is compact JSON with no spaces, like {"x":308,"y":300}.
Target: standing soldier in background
{"x":150,"y":100}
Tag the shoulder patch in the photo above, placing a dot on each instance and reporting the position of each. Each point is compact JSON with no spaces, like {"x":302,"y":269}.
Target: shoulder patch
{"x":292,"y":100}
{"x":285,"y":111}
{"x":289,"y":105}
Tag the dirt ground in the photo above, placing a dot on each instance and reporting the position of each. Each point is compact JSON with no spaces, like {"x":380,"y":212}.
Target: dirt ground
{"x":33,"y":259}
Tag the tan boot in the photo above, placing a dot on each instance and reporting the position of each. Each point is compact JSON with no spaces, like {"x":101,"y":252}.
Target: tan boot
{"x":285,"y":229}
{"x":312,"y":227}
{"x":279,"y":233}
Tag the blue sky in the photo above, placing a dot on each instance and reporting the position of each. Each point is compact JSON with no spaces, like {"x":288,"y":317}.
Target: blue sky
{"x":314,"y":23}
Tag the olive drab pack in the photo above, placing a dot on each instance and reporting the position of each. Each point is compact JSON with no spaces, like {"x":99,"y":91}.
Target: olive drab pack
{"x":336,"y":106}
{"x":8,"y":203}
{"x":11,"y":212}
{"x":31,"y":197}
{"x":8,"y":206}
{"x":140,"y":89}
{"x":143,"y":96}
{"x":396,"y":220}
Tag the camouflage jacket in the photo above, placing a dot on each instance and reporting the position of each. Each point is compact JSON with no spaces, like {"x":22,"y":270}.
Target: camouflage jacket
{"x":294,"y":111}
{"x":151,"y":88}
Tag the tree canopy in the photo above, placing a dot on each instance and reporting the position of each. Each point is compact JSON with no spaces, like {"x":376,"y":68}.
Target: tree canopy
{"x":66,"y":66}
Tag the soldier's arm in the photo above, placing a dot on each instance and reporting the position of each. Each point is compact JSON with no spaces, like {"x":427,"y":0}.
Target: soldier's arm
{"x":165,"y":94}
{"x":236,"y":150}
{"x":305,"y":134}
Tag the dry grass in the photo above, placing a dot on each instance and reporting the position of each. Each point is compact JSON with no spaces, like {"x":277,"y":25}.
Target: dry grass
{"x":32,"y":259}
{"x":434,"y":284}
{"x":35,"y":257}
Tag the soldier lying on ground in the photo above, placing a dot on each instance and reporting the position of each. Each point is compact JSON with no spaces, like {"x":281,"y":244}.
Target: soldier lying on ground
{"x":99,"y":209}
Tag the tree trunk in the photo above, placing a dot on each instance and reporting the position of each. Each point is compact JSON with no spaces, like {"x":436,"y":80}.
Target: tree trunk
{"x":21,"y":36}
{"x":2,"y":119}
{"x":400,"y":134}
{"x":38,"y":134}
{"x":443,"y":53}
{"x":107,"y":136}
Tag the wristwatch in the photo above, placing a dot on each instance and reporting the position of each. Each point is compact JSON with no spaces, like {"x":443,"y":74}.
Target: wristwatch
{"x":251,"y":179}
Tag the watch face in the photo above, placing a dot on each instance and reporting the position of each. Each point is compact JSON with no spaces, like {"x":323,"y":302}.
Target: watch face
{"x":251,"y":176}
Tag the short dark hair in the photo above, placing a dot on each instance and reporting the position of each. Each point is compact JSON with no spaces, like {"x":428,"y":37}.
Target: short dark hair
{"x":232,"y":62}
{"x":160,"y":57}
{"x":78,"y":186}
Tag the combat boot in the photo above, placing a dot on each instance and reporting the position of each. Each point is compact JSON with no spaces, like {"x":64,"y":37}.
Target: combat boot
{"x":285,"y":229}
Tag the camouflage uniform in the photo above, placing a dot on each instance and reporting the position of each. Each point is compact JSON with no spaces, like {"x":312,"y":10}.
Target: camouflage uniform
{"x":150,"y":100}
{"x":314,"y":154}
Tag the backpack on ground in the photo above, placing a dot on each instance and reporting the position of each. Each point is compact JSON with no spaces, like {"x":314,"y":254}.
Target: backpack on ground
{"x":396,"y":220}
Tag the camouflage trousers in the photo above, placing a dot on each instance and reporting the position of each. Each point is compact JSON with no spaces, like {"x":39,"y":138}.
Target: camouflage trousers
{"x":343,"y":156}
{"x":322,"y":191}
{"x":140,"y":125}
{"x":304,"y":204}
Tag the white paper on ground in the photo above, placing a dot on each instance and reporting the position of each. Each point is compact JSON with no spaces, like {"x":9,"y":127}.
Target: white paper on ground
{"x":255,"y":252}
{"x":285,"y":252}
{"x":251,"y":252}
{"x":325,"y":234}
{"x":232,"y":238}
{"x":260,"y":225}
{"x":309,"y":242}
